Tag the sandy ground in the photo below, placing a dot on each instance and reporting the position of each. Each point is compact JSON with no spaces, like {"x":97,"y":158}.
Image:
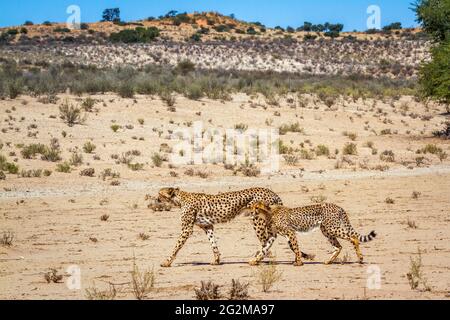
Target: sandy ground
{"x":55,"y":219}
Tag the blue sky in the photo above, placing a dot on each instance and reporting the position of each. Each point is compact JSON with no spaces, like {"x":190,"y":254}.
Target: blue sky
{"x":352,"y":13}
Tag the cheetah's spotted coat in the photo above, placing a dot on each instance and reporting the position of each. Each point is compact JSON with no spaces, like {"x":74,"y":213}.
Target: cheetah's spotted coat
{"x":331,"y":219}
{"x":205,"y":210}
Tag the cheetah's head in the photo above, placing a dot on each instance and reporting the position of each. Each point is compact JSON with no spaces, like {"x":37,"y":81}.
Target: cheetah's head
{"x":168,"y":195}
{"x":260,"y":207}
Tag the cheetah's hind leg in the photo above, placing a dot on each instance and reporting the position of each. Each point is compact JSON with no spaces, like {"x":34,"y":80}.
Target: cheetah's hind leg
{"x":209,"y":230}
{"x":337,"y":249}
{"x":355,"y":243}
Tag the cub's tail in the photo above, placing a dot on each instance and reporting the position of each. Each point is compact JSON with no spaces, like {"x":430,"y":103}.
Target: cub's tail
{"x":367,"y":238}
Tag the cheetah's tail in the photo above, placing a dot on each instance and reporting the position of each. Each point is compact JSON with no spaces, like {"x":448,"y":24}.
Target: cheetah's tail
{"x":367,"y":238}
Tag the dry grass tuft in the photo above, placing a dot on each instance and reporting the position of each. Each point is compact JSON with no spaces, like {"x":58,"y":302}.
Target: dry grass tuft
{"x":238,"y":291}
{"x":415,"y":275}
{"x":7,"y":238}
{"x":93,"y":293}
{"x":53,"y":276}
{"x":142,"y":282}
{"x":267,"y":276}
{"x":207,"y":291}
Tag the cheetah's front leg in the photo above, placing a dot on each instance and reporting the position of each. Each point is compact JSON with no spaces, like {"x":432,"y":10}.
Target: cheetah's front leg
{"x":187,"y":226}
{"x":264,"y":250}
{"x":293,"y":244}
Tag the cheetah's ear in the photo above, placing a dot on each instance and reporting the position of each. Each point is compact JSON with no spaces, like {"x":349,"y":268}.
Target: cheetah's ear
{"x":173,"y":190}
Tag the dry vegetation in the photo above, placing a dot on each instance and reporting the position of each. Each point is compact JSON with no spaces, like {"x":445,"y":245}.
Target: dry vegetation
{"x":86,"y":134}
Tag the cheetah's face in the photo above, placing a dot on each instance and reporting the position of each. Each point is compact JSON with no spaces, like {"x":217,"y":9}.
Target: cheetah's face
{"x":260,"y":207}
{"x":168,"y":195}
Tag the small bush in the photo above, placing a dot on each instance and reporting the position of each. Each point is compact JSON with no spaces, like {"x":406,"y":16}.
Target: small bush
{"x":168,"y":98}
{"x":207,"y":291}
{"x":104,"y":217}
{"x":139,"y":34}
{"x":126,"y":90}
{"x":93,"y":293}
{"x":291,"y":159}
{"x":136,"y":166}
{"x":267,"y":276}
{"x":88,"y":172}
{"x":350,"y":149}
{"x":89,"y":147}
{"x":70,"y":114}
{"x":241,"y":126}
{"x":88,"y":104}
{"x":30,"y":151}
{"x":31,"y":173}
{"x":7,"y":238}
{"x":306,"y":155}
{"x":7,"y":166}
{"x":249,"y":170}
{"x":387,"y":156}
{"x":115,"y":127}
{"x":185,"y":66}
{"x":411,"y":224}
{"x":141,"y":281}
{"x":53,"y":276}
{"x":286,"y":128}
{"x":322,"y":150}
{"x":108,"y":173}
{"x":416,"y":195}
{"x":63,"y":167}
{"x":351,"y":135}
{"x":415,"y":275}
{"x":157,"y":160}
{"x":238,"y":291}
{"x":76,"y":159}
{"x":430,"y":148}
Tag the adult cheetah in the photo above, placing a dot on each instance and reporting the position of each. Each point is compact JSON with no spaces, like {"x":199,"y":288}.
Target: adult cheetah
{"x":205,"y":210}
{"x":331,"y":219}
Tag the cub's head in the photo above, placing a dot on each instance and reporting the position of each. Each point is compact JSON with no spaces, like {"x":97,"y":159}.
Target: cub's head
{"x":168,"y":195}
{"x":260,"y":207}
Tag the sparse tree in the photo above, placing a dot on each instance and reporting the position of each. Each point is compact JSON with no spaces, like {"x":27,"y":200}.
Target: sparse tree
{"x":111,"y":14}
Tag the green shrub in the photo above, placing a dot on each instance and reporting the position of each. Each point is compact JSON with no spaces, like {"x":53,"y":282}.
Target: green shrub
{"x":76,"y":159}
{"x":194,"y":92}
{"x":88,"y":104}
{"x":350,"y":149}
{"x":126,"y":90}
{"x":136,"y":166}
{"x":115,"y":127}
{"x":70,"y":114}
{"x":88,"y":172}
{"x":89,"y":147}
{"x":284,"y":129}
{"x":196,"y":37}
{"x":8,"y":166}
{"x":63,"y":167}
{"x":387,"y":156}
{"x":31,"y":150}
{"x":61,"y":30}
{"x":157,"y":160}
{"x":322,"y":150}
{"x":185,"y":66}
{"x":139,"y":34}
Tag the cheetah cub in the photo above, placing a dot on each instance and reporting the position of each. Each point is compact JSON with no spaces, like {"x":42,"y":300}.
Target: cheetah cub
{"x":331,"y":219}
